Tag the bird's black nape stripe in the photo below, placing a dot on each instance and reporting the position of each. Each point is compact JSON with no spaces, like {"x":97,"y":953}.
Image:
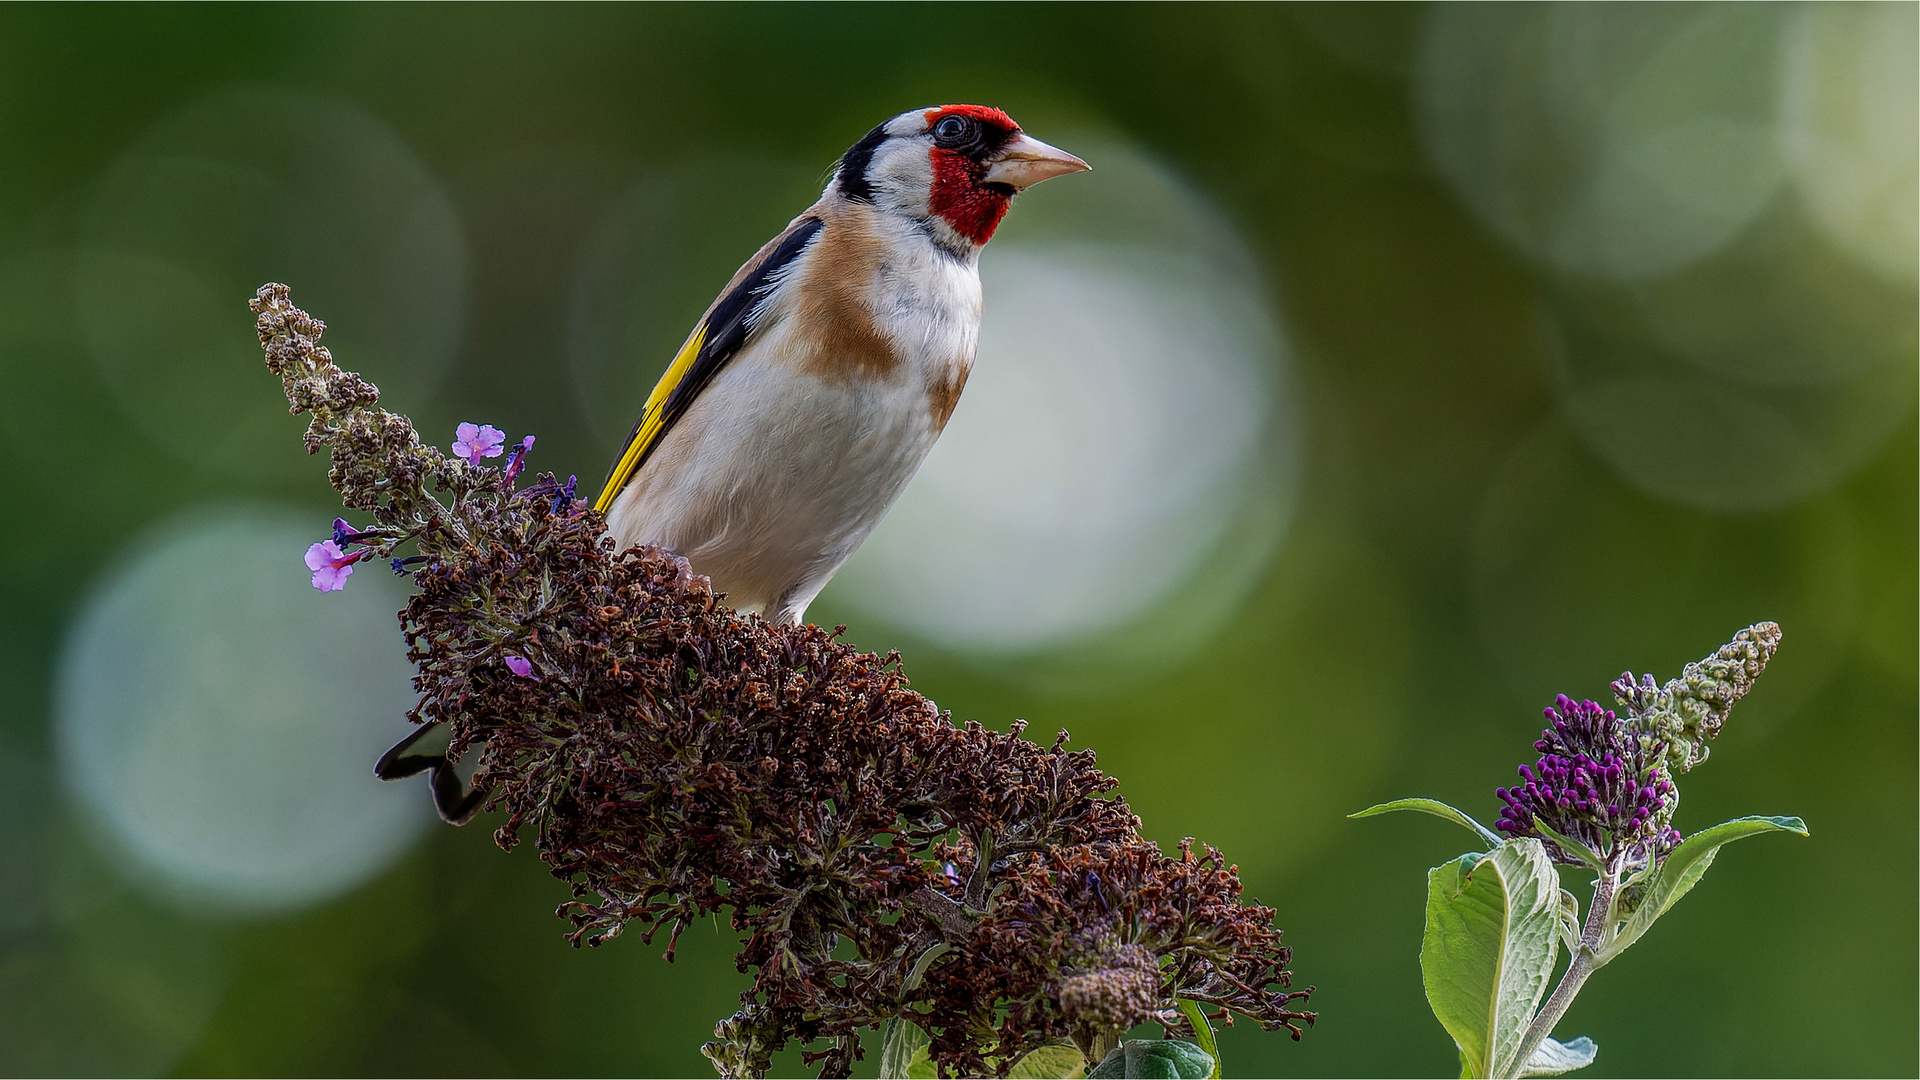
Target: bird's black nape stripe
{"x":853,"y":165}
{"x":727,"y":329}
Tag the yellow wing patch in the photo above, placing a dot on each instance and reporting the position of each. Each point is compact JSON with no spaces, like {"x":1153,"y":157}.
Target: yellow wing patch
{"x":652,"y":419}
{"x":721,"y":334}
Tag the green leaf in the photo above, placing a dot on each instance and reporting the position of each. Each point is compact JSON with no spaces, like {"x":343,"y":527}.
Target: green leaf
{"x":1572,"y":847}
{"x":1554,"y":1058}
{"x":900,"y":1041}
{"x":1055,"y":1061}
{"x":921,"y":965}
{"x":1569,"y":921}
{"x":1159,"y":1059}
{"x":905,"y":1055}
{"x":1202,"y":1031}
{"x":1683,"y":869}
{"x":1493,"y":927}
{"x":1437,"y":809}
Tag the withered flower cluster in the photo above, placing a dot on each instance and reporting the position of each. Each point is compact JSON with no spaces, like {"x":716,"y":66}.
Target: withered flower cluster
{"x":674,"y":759}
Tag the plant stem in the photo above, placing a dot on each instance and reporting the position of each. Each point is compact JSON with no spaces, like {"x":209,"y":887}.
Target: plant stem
{"x":1098,"y":1046}
{"x":1599,"y":915}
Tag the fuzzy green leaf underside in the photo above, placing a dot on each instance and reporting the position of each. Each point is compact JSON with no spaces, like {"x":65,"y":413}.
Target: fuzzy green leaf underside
{"x":901,"y":1041}
{"x":1491,"y":940}
{"x":1554,"y":1058}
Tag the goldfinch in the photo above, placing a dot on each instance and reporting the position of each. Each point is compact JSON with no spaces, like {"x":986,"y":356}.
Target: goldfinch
{"x":809,"y":393}
{"x":811,"y":390}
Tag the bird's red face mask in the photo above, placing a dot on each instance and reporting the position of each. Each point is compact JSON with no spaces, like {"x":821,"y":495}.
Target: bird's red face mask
{"x":980,"y":160}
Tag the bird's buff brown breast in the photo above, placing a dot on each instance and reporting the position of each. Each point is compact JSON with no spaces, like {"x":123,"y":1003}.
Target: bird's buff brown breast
{"x":849,"y":343}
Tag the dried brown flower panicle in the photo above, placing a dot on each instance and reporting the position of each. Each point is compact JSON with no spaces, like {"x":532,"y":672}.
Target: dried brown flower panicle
{"x":675,"y":759}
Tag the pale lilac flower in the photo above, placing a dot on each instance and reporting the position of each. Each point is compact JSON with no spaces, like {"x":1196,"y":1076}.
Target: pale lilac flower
{"x":475,"y":442}
{"x":521,"y":666}
{"x":331,"y":567}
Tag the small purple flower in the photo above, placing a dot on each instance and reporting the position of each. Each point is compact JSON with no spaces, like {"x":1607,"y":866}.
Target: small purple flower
{"x":563,"y":498}
{"x":475,"y":442}
{"x":331,"y":567}
{"x":1092,"y":881}
{"x":522,"y":667}
{"x":346,"y":535}
{"x":517,"y":459}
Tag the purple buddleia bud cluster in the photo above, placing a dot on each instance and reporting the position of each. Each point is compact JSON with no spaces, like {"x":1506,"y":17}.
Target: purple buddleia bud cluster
{"x":1598,"y":782}
{"x":1603,"y":787}
{"x":675,"y":760}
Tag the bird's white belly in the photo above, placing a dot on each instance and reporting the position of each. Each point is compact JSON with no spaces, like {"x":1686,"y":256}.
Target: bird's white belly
{"x":774,"y":477}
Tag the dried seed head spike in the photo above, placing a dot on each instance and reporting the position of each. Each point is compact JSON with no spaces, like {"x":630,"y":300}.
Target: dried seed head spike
{"x":674,"y":759}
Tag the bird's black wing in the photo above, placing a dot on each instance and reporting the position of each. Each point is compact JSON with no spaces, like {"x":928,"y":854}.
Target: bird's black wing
{"x":713,"y":342}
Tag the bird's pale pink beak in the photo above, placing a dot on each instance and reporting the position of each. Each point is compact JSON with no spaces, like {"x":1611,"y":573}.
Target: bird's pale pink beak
{"x":1026,"y":161}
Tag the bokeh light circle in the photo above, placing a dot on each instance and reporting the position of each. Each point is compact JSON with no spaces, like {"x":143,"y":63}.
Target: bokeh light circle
{"x":1851,"y":127}
{"x":1781,"y":306}
{"x":219,"y":718}
{"x":1619,"y":141}
{"x":247,"y":185}
{"x":1094,"y":460}
{"x":1703,"y":440}
{"x":1576,"y":577}
{"x":1706,"y":341}
{"x":1126,"y":414}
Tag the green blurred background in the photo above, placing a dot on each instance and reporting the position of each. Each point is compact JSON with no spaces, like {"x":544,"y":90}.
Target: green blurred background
{"x":1396,"y":369}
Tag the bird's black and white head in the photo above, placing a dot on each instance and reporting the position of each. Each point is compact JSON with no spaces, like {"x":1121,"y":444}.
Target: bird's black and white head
{"x":952,"y":168}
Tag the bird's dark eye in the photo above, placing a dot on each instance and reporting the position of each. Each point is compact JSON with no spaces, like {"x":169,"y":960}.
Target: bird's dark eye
{"x":952,"y":130}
